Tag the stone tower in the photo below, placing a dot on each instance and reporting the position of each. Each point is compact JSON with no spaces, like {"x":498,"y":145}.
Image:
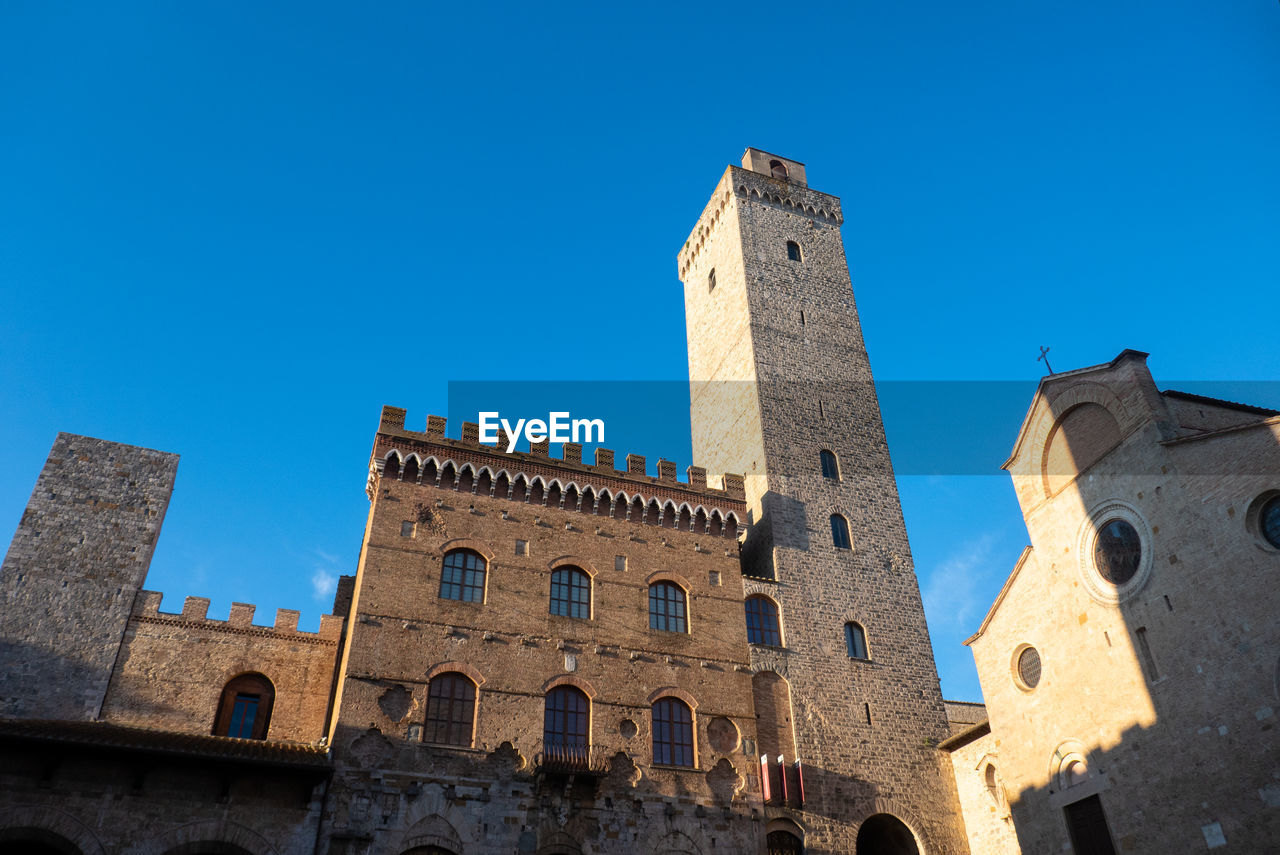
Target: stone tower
{"x":75,"y":565}
{"x":779,"y":375}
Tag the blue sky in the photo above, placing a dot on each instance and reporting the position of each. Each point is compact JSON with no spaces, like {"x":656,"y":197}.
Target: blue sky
{"x":235,"y":232}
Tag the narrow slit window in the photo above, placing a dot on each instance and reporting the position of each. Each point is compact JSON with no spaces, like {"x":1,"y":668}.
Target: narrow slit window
{"x":840,"y":532}
{"x":830,"y":468}
{"x":1149,"y":661}
{"x":855,"y":641}
{"x":793,"y":251}
{"x":711,"y":281}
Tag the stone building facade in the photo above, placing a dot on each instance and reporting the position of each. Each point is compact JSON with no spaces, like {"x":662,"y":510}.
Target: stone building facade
{"x":1131,"y":664}
{"x":535,"y":654}
{"x":547,"y":655}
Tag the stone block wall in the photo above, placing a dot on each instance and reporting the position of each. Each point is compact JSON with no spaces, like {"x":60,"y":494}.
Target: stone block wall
{"x":69,"y":579}
{"x":172,"y":668}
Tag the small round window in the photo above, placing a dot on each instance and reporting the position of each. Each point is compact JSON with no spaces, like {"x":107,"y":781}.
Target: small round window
{"x":1269,"y":522}
{"x":1117,"y":551}
{"x":1029,"y":667}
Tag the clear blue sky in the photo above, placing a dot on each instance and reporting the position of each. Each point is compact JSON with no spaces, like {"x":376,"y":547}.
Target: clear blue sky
{"x":235,"y":231}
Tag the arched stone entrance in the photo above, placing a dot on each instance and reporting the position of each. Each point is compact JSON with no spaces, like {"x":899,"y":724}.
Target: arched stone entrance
{"x":36,"y":841}
{"x":885,"y":834}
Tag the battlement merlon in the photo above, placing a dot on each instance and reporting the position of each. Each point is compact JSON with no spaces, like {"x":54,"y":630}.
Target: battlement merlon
{"x":392,"y":436}
{"x":753,"y":180}
{"x":195,"y":611}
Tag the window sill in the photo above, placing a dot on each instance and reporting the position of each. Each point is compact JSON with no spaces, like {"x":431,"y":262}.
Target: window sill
{"x":463,"y":749}
{"x":669,"y":768}
{"x":779,"y":647}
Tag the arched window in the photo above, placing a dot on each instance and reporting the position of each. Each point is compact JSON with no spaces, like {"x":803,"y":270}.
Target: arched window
{"x":451,"y":710}
{"x":244,"y":712}
{"x":840,"y":532}
{"x":830,"y":468}
{"x":855,"y":641}
{"x":571,"y":593}
{"x":462,"y":577}
{"x":667,"y":607}
{"x":672,"y":732}
{"x":711,"y":281}
{"x":778,"y":169}
{"x":566,"y":725}
{"x":793,"y":251}
{"x":762,"y":621}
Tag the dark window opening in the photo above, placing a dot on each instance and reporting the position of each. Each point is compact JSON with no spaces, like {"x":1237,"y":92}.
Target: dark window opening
{"x":462,"y":576}
{"x":777,"y":169}
{"x":762,"y":622}
{"x":793,"y":251}
{"x":855,"y":641}
{"x":451,"y":708}
{"x":667,"y":607}
{"x":830,"y":468}
{"x":1117,"y":552}
{"x":571,"y":593}
{"x":672,"y":733}
{"x":244,"y":712}
{"x":711,"y":281}
{"x":566,"y":725}
{"x":840,"y":532}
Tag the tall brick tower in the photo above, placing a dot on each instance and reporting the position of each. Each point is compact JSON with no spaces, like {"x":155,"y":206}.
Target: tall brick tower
{"x":780,"y":380}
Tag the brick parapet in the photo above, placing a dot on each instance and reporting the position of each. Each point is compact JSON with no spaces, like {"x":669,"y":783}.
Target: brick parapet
{"x":194,"y":615}
{"x":602,"y":476}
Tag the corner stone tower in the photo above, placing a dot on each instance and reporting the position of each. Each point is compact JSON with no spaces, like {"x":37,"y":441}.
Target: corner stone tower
{"x":779,"y":373}
{"x":75,"y":565}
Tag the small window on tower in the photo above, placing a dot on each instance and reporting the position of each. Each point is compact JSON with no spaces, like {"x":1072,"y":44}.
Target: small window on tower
{"x":406,"y":528}
{"x":840,"y":532}
{"x":711,"y":281}
{"x":830,"y":468}
{"x":793,"y":251}
{"x":522,"y":547}
{"x":778,"y":169}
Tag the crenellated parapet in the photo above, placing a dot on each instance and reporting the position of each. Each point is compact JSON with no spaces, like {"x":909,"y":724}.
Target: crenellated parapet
{"x":747,"y":185}
{"x":195,"y":611}
{"x":568,"y":483}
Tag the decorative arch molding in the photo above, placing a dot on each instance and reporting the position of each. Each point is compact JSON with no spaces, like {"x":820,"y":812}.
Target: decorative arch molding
{"x":675,"y":843}
{"x":559,"y":843}
{"x":1054,"y":411}
{"x":672,"y":692}
{"x":470,"y":671}
{"x":53,"y":821}
{"x":1068,"y":751}
{"x":604,"y":497}
{"x":891,"y":807}
{"x":669,"y":576}
{"x":573,"y":561}
{"x":753,"y":588}
{"x":209,"y":831}
{"x":570,"y":680}
{"x":785,"y":824}
{"x":471,"y":543}
{"x":433,"y":830}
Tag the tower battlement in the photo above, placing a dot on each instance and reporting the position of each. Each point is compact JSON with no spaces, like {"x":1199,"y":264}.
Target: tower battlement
{"x":195,"y":611}
{"x":431,"y":451}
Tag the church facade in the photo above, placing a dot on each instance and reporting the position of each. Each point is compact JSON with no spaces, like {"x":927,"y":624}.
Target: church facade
{"x":555,"y":655}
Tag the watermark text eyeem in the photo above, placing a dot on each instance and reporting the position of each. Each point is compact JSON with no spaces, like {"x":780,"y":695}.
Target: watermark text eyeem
{"x":559,"y":427}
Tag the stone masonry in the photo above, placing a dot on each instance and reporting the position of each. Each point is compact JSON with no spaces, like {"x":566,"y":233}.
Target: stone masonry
{"x":779,"y":373}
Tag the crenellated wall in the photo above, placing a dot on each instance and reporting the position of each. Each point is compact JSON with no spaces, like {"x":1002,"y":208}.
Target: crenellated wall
{"x":172,"y":668}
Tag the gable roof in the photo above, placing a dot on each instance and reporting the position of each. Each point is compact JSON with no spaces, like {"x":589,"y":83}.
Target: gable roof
{"x":1008,"y":583}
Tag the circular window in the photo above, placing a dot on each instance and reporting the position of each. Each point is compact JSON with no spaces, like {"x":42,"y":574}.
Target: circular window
{"x":1117,"y":551}
{"x":1269,"y":522}
{"x":1114,"y":556}
{"x":1028,"y":665}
